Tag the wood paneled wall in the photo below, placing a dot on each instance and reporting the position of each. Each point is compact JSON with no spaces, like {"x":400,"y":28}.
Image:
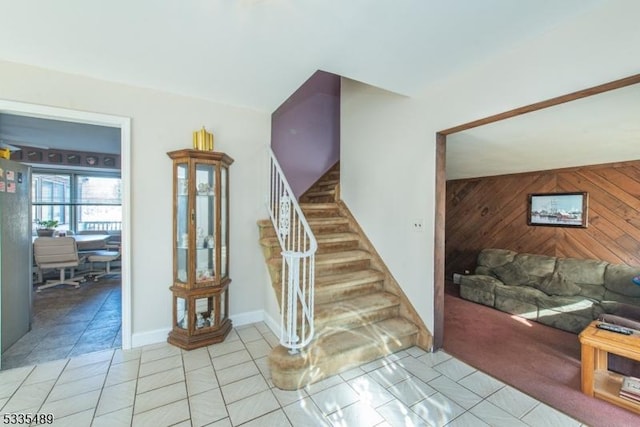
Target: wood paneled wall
{"x":491,"y":212}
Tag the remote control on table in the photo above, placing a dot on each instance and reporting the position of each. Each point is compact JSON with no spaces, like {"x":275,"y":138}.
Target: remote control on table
{"x":614,"y":328}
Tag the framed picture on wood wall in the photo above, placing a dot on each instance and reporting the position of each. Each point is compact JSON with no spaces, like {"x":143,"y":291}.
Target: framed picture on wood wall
{"x":558,"y":209}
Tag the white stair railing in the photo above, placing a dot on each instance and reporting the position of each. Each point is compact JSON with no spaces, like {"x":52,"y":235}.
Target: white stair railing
{"x":298,"y":246}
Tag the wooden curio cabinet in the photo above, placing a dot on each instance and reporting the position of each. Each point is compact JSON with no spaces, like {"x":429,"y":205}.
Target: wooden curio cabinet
{"x":200,"y":248}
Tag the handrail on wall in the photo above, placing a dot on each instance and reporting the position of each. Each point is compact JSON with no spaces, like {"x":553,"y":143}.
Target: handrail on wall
{"x":298,"y":246}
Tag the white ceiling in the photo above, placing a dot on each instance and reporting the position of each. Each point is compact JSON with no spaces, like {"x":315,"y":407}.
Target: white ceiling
{"x":256,"y":53}
{"x":62,"y":135}
{"x":599,"y":129}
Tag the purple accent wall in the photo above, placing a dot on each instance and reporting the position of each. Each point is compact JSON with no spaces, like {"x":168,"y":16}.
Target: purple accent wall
{"x":305,"y":131}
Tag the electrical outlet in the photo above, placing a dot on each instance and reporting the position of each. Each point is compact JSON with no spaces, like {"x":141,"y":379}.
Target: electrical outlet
{"x":418,"y":225}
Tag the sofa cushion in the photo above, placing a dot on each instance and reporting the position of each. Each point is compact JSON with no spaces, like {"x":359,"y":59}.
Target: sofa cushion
{"x":557,"y":284}
{"x":477,"y":281}
{"x":519,"y":300}
{"x":484,"y":271}
{"x":614,"y":297}
{"x":622,"y":309}
{"x":619,"y":279}
{"x":512,"y":274}
{"x":582,"y":271}
{"x":567,"y":304}
{"x":478,"y":288}
{"x":495,"y":257}
{"x":595,"y":292}
{"x":536,"y":266}
{"x":569,"y":313}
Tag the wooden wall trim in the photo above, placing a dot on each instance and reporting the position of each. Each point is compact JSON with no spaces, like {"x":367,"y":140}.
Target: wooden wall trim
{"x":439,"y":241}
{"x":559,"y":170}
{"x":616,"y":84}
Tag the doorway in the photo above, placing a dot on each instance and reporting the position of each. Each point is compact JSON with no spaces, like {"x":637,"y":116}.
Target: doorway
{"x":124,"y":125}
{"x":441,"y":147}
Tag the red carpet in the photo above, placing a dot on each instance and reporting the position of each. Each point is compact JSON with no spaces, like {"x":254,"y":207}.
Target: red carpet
{"x":536,"y":359}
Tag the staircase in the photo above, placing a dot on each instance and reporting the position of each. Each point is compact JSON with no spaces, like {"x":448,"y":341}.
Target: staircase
{"x":360,"y":313}
{"x":325,"y":189}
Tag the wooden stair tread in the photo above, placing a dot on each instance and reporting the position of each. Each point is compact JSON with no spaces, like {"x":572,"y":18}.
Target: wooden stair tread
{"x":338,"y":286}
{"x":318,"y":206}
{"x":266,"y":223}
{"x":335,"y":350}
{"x":354,"y":306}
{"x":320,"y":238}
{"x":336,"y":237}
{"x":340,"y":257}
{"x":328,"y":185}
{"x":334,"y":342}
{"x":349,"y":278}
{"x":327,"y":220}
{"x":320,"y":193}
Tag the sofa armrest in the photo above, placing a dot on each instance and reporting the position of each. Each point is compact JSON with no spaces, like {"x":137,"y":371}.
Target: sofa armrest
{"x":619,"y":320}
{"x":621,"y":309}
{"x":487,"y":283}
{"x":479,"y":288}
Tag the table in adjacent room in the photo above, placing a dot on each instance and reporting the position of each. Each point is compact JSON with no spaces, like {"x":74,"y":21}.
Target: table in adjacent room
{"x":597,"y":380}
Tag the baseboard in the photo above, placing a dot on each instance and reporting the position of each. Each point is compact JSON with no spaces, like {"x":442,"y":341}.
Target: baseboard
{"x":272,"y":323}
{"x":247,"y":318}
{"x":160,"y":335}
{"x":150,"y":337}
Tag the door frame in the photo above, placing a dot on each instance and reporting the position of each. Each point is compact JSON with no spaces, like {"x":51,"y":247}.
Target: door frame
{"x":441,"y":183}
{"x":124,"y":124}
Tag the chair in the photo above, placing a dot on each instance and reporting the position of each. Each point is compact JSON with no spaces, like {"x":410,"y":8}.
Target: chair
{"x":57,"y":253}
{"x":101,"y":256}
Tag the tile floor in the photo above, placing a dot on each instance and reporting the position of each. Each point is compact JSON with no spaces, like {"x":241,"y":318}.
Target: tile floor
{"x":228,"y":384}
{"x":69,"y":322}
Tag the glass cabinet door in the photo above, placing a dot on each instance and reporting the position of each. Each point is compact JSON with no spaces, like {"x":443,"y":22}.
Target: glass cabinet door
{"x":182,"y":313}
{"x":182,"y":223}
{"x":224,"y":239}
{"x":205,"y":220}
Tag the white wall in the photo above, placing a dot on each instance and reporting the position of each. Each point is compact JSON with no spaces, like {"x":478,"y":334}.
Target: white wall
{"x":388,"y":142}
{"x":386,"y":173}
{"x":163,"y":122}
{"x":387,"y":151}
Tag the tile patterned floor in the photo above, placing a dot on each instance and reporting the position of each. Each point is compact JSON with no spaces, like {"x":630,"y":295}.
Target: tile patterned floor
{"x":229,"y":384}
{"x":69,"y":322}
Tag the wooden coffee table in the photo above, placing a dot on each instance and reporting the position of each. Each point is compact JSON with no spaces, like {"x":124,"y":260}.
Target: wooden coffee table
{"x":597,"y":380}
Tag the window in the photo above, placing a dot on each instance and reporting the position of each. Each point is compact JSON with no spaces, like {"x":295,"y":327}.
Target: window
{"x":99,"y":203}
{"x":78,"y":201}
{"x":50,"y":196}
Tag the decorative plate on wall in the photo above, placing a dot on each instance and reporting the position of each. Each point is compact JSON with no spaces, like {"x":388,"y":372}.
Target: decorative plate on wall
{"x":54,"y":157}
{"x":91,"y":160}
{"x":73,"y":159}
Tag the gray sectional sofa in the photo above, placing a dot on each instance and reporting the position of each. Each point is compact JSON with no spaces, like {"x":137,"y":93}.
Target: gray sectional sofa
{"x":565,"y":293}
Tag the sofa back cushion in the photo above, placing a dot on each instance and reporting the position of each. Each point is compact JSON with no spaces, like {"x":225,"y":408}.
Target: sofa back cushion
{"x":538,"y":267}
{"x":586,"y":273}
{"x":488,"y":259}
{"x":512,"y":273}
{"x":491,"y":258}
{"x":582,"y":271}
{"x":558,"y":284}
{"x":618,"y":279}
